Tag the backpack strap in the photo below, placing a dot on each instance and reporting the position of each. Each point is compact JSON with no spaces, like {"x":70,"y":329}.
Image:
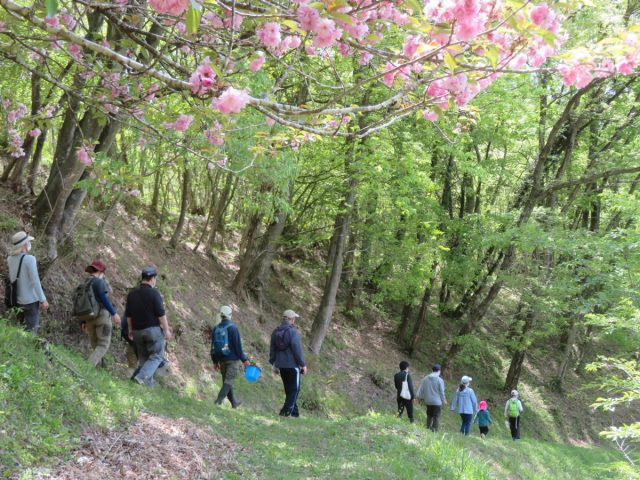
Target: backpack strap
{"x":20,"y":266}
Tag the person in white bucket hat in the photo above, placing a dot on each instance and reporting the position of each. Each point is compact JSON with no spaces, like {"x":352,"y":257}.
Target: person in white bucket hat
{"x":23,"y":267}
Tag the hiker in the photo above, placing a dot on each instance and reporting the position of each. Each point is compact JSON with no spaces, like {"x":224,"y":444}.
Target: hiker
{"x":285,"y":354}
{"x":466,"y":403}
{"x":23,"y":268}
{"x":483,"y":419}
{"x":226,"y":353}
{"x":431,"y":392}
{"x":512,"y":410}
{"x":99,"y":328}
{"x":148,"y":326}
{"x":404,"y":391}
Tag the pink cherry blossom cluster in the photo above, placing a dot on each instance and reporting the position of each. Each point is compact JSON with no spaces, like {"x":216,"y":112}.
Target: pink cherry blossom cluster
{"x":15,"y":143}
{"x":231,"y":100}
{"x":203,"y":79}
{"x":326,"y":31}
{"x":20,"y":112}
{"x":180,"y":124}
{"x":169,"y":7}
{"x":85,"y":154}
{"x":215,"y":135}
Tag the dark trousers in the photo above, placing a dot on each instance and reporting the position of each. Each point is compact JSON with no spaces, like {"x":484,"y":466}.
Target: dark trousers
{"x":465,"y":427}
{"x":514,"y":425}
{"x":31,"y":317}
{"x":408,"y":404}
{"x":433,"y":417}
{"x":484,"y":430}
{"x":291,"y":381}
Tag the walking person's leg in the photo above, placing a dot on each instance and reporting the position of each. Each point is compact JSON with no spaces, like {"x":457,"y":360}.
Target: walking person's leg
{"x":436,"y":417}
{"x":31,"y":317}
{"x":430,"y":417}
{"x":101,"y":337}
{"x":409,"y":406}
{"x":291,"y":382}
{"x":513,"y":428}
{"x":400,"y":406}
{"x":153,"y":346}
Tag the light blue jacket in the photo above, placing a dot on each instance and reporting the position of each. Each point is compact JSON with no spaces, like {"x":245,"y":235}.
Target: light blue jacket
{"x":465,"y":401}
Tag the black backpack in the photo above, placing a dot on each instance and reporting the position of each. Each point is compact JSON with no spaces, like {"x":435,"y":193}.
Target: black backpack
{"x":11,"y":288}
{"x":282,"y":338}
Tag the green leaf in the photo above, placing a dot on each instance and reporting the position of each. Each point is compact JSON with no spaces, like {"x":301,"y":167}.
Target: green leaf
{"x":492,"y":54}
{"x":343,"y":17}
{"x":450,"y":61}
{"x":414,"y":5}
{"x":52,"y":7}
{"x":193,"y":19}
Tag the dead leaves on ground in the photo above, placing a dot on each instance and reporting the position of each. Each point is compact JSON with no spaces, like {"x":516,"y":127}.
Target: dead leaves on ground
{"x":152,"y":448}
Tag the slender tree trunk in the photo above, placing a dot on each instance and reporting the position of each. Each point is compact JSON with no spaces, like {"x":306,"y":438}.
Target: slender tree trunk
{"x":34,"y":168}
{"x":249,"y":254}
{"x":157,"y":182}
{"x":184,"y":205}
{"x":322,"y":319}
{"x":567,"y":353}
{"x":519,"y":352}
{"x":421,"y":323}
{"x":221,"y":206}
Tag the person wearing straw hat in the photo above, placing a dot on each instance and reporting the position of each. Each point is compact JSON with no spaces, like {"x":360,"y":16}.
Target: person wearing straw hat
{"x":226,"y":354}
{"x":31,"y":298}
{"x":285,"y":354}
{"x":99,"y":329}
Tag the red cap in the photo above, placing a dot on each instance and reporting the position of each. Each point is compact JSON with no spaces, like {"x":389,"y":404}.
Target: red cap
{"x":483,"y":405}
{"x":96,"y":265}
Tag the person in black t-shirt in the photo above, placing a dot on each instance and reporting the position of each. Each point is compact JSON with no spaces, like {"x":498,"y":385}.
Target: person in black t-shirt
{"x":148,"y":326}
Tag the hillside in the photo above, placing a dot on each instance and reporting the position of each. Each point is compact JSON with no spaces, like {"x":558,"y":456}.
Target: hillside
{"x":348,"y":394}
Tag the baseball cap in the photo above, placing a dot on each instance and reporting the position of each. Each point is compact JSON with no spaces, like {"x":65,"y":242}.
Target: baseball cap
{"x":465,"y":380}
{"x":225,"y":311}
{"x":149,"y":271}
{"x":96,"y":265}
{"x":290,"y":314}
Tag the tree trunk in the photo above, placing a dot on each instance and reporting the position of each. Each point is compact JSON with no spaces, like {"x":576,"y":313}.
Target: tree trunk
{"x":184,"y":204}
{"x":421,"y":323}
{"x":249,"y":254}
{"x":335,"y":260}
{"x":34,"y":168}
{"x":519,"y":353}
{"x":259,"y":274}
{"x":221,"y":206}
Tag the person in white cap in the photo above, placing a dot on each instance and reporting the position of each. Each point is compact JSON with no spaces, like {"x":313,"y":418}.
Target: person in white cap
{"x":226,"y":354}
{"x":285,"y":354}
{"x":466,"y":403}
{"x":512,"y":410}
{"x":23,"y":267}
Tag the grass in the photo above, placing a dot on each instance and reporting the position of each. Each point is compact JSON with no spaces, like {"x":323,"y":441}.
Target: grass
{"x":49,"y":395}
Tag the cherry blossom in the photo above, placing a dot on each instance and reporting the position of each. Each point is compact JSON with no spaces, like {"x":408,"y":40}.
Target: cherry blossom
{"x":84,"y":154}
{"x":36,"y":132}
{"x":203,"y":79}
{"x":231,"y":100}
{"x":169,"y":7}
{"x":256,"y":63}
{"x":181,"y":124}
{"x":269,"y":35}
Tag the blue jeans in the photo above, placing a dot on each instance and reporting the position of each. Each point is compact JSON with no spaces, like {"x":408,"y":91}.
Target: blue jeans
{"x":149,"y":345}
{"x":466,"y":423}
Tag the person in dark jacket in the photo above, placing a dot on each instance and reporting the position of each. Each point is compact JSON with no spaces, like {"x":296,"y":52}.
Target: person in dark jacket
{"x":99,"y":329}
{"x":285,"y":354}
{"x":402,"y":376}
{"x":228,"y":363}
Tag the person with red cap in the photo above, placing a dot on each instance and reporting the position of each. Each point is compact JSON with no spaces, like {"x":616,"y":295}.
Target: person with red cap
{"x":99,"y":329}
{"x":483,"y":419}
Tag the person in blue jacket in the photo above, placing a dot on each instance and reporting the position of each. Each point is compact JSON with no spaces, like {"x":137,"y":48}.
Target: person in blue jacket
{"x":466,"y":403}
{"x":285,"y":354}
{"x":99,"y":329}
{"x":228,"y":363}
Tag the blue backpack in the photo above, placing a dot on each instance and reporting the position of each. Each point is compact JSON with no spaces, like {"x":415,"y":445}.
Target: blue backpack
{"x":220,"y":342}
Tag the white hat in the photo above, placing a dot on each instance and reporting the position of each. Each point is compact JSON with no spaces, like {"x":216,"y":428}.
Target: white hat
{"x":465,"y":380}
{"x":514,"y":393}
{"x":225,"y":311}
{"x":18,"y":241}
{"x":290,"y":314}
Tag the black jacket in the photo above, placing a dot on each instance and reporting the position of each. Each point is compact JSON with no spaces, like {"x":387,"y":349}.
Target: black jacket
{"x":398,"y":378}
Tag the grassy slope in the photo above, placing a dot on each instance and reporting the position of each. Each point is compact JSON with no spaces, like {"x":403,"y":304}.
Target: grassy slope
{"x":45,"y":405}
